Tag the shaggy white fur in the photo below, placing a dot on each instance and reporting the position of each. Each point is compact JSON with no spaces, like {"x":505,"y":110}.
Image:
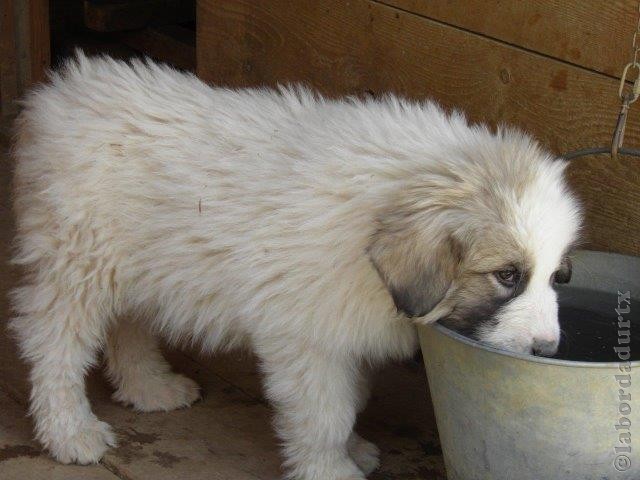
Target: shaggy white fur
{"x":234,"y":218}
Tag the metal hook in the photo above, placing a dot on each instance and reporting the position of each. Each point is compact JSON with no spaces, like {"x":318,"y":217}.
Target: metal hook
{"x":634,"y":92}
{"x":628,"y":94}
{"x":618,"y":134}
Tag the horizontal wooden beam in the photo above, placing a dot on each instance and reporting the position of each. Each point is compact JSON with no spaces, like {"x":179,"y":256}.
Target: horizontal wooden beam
{"x":595,"y":34}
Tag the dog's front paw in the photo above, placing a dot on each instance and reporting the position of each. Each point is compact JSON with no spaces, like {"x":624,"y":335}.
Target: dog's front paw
{"x":87,"y":444}
{"x":162,"y":392}
{"x":364,"y":453}
{"x":325,"y":465}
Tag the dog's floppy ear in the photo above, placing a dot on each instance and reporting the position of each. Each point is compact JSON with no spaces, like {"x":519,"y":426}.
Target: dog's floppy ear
{"x":563,"y":274}
{"x":416,"y":266}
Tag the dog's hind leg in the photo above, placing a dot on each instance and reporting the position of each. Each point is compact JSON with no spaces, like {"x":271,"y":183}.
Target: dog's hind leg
{"x":315,"y":397}
{"x":60,"y":326}
{"x":141,"y":375}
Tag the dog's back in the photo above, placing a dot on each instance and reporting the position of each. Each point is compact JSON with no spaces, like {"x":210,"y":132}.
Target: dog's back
{"x":140,"y":187}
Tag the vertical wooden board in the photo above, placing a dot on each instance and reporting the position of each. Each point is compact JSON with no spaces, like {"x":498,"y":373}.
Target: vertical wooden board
{"x":596,"y":34}
{"x":40,"y":49}
{"x":8,"y":61}
{"x":25,"y":48}
{"x":363,"y":46}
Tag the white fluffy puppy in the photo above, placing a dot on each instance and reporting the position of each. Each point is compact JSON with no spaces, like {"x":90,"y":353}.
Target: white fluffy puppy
{"x":308,"y":229}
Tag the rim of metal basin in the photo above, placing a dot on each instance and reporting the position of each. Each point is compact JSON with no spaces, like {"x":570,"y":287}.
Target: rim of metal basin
{"x":526,"y":357}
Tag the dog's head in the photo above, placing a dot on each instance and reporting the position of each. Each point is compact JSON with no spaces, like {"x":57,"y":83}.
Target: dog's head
{"x":479,"y":240}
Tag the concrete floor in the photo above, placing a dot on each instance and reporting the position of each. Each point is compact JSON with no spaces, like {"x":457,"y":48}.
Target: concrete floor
{"x":227,"y":435}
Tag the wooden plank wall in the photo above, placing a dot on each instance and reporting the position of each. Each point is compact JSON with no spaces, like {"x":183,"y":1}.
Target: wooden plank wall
{"x":547,"y":66}
{"x":24,"y":49}
{"x":39,"y":39}
{"x":8,"y":58}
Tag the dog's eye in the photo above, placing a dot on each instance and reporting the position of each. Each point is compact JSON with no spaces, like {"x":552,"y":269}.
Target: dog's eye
{"x":508,"y":277}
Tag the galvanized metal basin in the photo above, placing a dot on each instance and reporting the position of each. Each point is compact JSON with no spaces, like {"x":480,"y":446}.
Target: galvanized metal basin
{"x":506,"y":416}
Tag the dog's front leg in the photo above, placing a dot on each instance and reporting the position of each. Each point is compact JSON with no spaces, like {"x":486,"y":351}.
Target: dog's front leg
{"x":315,"y":395}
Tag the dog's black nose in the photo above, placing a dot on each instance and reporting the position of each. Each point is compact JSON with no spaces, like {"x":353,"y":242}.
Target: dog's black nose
{"x":544,"y":348}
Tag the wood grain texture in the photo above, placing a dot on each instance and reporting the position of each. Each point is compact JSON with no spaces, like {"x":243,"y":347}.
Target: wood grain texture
{"x":24,"y":49}
{"x":596,"y":34}
{"x":116,"y":16}
{"x":22,"y":28}
{"x":364,"y":46}
{"x":170,"y":43}
{"x":40,"y":41}
{"x":8,"y":60}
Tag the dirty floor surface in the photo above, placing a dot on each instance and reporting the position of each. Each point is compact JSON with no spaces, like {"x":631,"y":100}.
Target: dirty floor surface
{"x":227,"y":435}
